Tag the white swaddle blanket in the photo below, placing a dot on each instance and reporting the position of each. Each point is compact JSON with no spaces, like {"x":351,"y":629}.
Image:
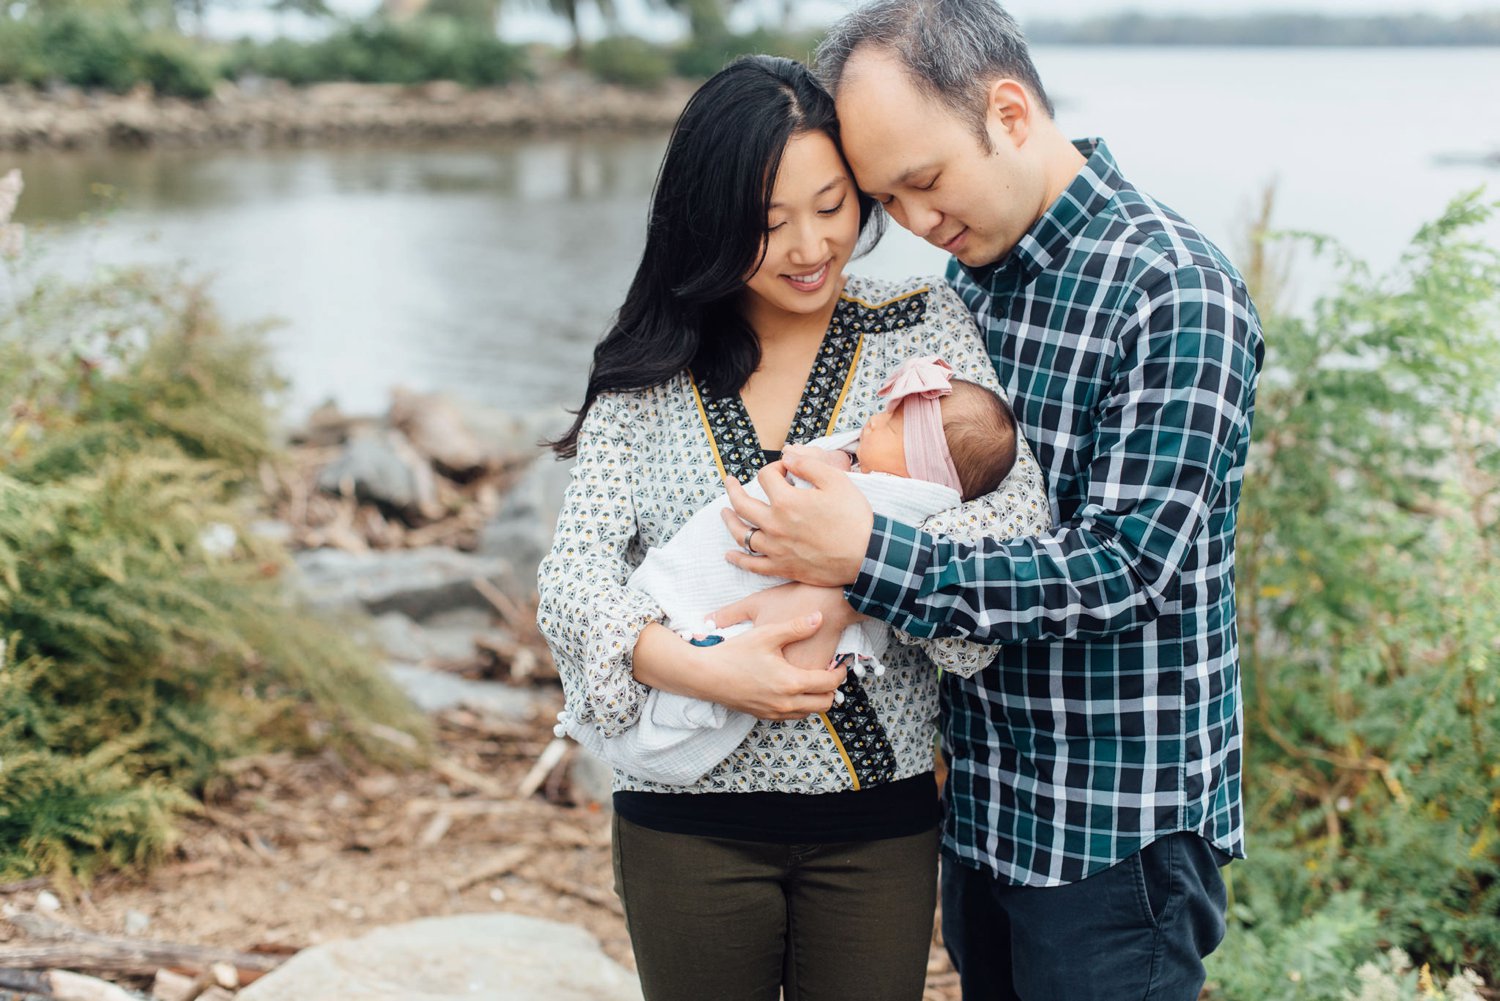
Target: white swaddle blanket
{"x":679,"y":739}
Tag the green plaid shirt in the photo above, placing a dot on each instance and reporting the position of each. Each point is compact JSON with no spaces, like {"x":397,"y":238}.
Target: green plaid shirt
{"x":1111,"y":716}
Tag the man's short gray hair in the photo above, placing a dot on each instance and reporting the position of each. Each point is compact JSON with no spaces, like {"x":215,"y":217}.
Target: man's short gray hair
{"x":953,"y":49}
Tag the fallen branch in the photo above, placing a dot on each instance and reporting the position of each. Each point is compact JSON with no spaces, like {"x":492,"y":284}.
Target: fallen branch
{"x":455,"y":772}
{"x":508,"y":609}
{"x":435,"y":829}
{"x":501,"y":865}
{"x":587,"y":894}
{"x":466,"y":807}
{"x":75,"y":948}
{"x":247,"y":834}
{"x":549,"y":759}
{"x":22,"y":980}
{"x":66,"y":986}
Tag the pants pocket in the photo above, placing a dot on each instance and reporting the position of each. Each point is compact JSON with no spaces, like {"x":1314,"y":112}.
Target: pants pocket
{"x":1153,"y":866}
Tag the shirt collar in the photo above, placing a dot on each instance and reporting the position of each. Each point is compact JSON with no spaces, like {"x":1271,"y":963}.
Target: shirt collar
{"x":1048,"y":238}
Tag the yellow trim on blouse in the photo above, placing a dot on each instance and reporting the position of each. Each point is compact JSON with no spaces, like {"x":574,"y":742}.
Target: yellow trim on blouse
{"x":848,"y":381}
{"x":708,"y":428}
{"x":882,"y":305}
{"x":839,"y":746}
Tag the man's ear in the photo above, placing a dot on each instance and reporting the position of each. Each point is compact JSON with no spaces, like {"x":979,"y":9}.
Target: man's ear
{"x":1008,"y":112}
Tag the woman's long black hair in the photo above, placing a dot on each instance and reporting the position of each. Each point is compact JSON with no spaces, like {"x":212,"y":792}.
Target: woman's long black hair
{"x":707,"y":233}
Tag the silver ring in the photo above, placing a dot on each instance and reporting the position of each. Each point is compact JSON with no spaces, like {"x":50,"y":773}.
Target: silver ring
{"x":745,"y":543}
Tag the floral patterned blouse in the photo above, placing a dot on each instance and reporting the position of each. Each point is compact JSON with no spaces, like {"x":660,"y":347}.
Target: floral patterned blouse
{"x":648,"y":459}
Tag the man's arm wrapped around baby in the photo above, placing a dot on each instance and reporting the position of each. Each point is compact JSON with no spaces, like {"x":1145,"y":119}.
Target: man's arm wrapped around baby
{"x":678,"y":739}
{"x":1015,"y":509}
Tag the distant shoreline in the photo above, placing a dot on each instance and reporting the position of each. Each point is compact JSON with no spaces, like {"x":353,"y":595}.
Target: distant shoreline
{"x":272,"y":113}
{"x":1047,"y":42}
{"x":1274,"y":30}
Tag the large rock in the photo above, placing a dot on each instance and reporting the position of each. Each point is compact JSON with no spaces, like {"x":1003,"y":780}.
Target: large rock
{"x":494,"y":957}
{"x":521,"y":531}
{"x":445,"y":638}
{"x":415,"y":582}
{"x":515,"y":437}
{"x":438,"y":429}
{"x":434,"y":691}
{"x":381,"y":466}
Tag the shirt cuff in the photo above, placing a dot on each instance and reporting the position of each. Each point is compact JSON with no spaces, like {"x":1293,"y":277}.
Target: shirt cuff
{"x":890,"y":576}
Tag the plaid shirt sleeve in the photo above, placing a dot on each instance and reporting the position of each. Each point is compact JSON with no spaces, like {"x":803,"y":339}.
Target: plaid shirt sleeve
{"x":1169,"y":425}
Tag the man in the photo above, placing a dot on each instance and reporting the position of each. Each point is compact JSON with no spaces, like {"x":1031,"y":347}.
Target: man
{"x":1094,"y":789}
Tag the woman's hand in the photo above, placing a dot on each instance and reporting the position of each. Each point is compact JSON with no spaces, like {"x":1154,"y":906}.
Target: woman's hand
{"x":826,"y":456}
{"x":788,"y":601}
{"x":748,"y":672}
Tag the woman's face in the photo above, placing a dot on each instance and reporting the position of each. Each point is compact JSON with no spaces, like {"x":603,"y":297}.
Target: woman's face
{"x":813,"y":224}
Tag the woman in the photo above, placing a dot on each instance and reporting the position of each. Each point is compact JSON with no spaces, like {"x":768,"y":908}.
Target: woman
{"x":804,"y":864}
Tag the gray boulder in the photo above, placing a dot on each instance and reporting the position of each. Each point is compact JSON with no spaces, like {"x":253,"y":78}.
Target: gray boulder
{"x":436,"y":426}
{"x":381,"y":466}
{"x":521,"y":531}
{"x":513,"y":437}
{"x":417,"y":583}
{"x":494,"y":957}
{"x":434,"y":691}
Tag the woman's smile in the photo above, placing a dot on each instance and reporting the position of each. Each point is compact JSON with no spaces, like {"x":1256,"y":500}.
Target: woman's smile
{"x":809,"y":281}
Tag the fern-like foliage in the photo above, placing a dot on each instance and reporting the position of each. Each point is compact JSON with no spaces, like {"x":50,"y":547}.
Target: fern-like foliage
{"x":142,"y":652}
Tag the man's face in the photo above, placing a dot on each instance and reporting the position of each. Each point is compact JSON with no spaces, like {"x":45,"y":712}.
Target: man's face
{"x":930,"y":170}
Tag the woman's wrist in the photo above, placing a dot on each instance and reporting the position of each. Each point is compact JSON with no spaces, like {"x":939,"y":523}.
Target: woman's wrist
{"x":665,"y":661}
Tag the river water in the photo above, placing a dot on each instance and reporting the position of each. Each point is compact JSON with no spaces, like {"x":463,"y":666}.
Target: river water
{"x":489,"y":270}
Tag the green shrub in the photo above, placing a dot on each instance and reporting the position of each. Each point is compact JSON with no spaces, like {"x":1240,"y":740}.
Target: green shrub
{"x":701,"y":57}
{"x":21,"y":57}
{"x":89,"y":51}
{"x":279,"y":59}
{"x":705,"y":56}
{"x":376,"y":51}
{"x":148,"y":635}
{"x":629,"y":61}
{"x":100,"y":50}
{"x":176,"y":67}
{"x":1369,"y":594}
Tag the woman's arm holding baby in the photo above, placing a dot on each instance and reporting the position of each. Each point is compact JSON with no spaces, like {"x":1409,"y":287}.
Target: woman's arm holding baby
{"x":758,"y":672}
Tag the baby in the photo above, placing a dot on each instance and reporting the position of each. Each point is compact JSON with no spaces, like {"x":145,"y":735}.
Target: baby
{"x":938,"y":442}
{"x":933,"y":428}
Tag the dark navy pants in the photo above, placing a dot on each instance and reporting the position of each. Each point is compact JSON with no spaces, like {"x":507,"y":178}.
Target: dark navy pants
{"x":1135,"y":932}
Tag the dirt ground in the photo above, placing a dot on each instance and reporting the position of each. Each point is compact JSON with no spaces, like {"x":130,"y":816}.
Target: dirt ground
{"x":297,"y":852}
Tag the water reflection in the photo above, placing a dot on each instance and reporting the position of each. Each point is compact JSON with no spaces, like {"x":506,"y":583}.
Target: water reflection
{"x":490,"y":269}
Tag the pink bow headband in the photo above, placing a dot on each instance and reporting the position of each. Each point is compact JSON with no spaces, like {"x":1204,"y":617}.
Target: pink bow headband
{"x":915,"y":387}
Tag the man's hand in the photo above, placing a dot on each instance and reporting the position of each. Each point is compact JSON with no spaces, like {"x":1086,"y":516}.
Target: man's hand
{"x":816,"y":536}
{"x":787,"y":602}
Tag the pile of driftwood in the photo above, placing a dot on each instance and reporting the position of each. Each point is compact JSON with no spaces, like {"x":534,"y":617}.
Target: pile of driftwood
{"x":281,"y":816}
{"x":420,"y":476}
{"x":177,"y":971}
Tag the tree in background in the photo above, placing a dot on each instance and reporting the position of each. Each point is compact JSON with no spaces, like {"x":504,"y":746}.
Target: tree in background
{"x":568,"y":10}
{"x":707,"y":19}
{"x":175,"y":15}
{"x":482,"y":14}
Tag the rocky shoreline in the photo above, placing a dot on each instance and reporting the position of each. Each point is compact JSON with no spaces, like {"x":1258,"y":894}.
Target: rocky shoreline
{"x":272,"y":113}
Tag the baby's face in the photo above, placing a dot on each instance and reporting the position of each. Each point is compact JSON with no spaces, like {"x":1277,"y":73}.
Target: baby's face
{"x":882,"y":444}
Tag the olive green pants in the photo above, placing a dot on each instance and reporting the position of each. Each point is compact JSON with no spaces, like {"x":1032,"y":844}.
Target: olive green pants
{"x":712,"y":919}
